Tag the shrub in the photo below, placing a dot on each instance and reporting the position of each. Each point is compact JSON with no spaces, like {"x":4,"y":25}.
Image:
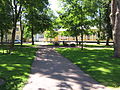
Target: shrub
{"x":65,"y":44}
{"x":72,"y":45}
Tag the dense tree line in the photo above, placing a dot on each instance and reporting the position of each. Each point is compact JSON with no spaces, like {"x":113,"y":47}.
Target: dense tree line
{"x":77,"y":16}
{"x":32,"y":14}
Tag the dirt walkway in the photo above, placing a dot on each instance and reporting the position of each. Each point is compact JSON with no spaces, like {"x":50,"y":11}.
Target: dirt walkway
{"x":51,"y":71}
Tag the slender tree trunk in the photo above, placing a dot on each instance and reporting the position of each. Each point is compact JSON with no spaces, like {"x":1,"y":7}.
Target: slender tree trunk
{"x":98,"y":37}
{"x":16,"y":14}
{"x":21,"y":28}
{"x":2,"y":37}
{"x":107,"y":41}
{"x":82,"y":41}
{"x":22,"y":32}
{"x":6,"y":37}
{"x":115,"y":20}
{"x":32,"y":35}
{"x":13,"y":34}
{"x":76,"y":40}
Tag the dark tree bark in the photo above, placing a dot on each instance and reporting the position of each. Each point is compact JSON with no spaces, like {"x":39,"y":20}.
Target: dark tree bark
{"x":22,"y":30}
{"x":15,"y":19}
{"x":32,"y":35}
{"x":107,"y":41}
{"x":76,"y":40}
{"x":82,"y":41}
{"x":2,"y":34}
{"x":6,"y":37}
{"x":108,"y":23}
{"x":98,"y":37}
{"x":115,"y":20}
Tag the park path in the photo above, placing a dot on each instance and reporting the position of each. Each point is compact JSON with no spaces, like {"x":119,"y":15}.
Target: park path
{"x":51,"y":71}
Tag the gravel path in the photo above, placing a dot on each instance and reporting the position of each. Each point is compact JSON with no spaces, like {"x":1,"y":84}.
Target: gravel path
{"x":51,"y":71}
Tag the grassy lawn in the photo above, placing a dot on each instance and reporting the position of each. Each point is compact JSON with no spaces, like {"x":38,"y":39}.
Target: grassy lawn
{"x":15,"y":68}
{"x":89,"y":45}
{"x":98,"y":63}
{"x":98,"y":45}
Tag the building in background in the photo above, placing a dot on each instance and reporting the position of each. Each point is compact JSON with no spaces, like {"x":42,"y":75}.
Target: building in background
{"x":8,"y":35}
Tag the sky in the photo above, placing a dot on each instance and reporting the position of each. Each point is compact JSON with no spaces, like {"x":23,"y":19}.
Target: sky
{"x":55,"y":5}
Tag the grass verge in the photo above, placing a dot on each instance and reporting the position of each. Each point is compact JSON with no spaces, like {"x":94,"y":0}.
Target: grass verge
{"x":99,"y":46}
{"x":15,"y":68}
{"x":98,"y":63}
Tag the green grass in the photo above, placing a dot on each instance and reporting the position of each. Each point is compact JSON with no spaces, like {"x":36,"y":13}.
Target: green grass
{"x":15,"y":68}
{"x":99,"y":45}
{"x":51,"y":44}
{"x":89,"y":45}
{"x":98,"y":63}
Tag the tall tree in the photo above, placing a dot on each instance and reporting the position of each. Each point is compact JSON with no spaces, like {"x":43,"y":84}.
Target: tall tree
{"x":36,"y":17}
{"x":75,"y":17}
{"x":106,"y":22}
{"x":115,"y":20}
{"x":16,"y":6}
{"x":5,"y":18}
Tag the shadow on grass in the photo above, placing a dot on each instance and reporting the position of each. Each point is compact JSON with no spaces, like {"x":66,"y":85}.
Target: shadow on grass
{"x":15,"y":68}
{"x":97,"y":63}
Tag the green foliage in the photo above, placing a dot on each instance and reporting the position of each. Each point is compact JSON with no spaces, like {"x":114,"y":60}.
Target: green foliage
{"x":37,"y":17}
{"x":75,"y":17}
{"x":27,"y":33}
{"x":98,"y":63}
{"x":5,"y":17}
{"x":65,"y":33}
{"x":50,"y":34}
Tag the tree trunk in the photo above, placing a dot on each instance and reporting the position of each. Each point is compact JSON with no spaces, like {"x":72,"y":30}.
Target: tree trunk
{"x":13,"y":34}
{"x":32,"y":35}
{"x":98,"y":37}
{"x":115,"y":20}
{"x":2,"y":37}
{"x":16,"y":13}
{"x":76,"y":40}
{"x":107,"y":41}
{"x":82,"y":40}
{"x":6,"y":37}
{"x":22,"y":32}
{"x":21,"y":28}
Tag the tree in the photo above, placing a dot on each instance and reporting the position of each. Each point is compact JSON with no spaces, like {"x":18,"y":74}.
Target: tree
{"x":5,"y":18}
{"x":16,"y":6}
{"x":106,"y":22}
{"x":75,"y":18}
{"x":50,"y":34}
{"x":36,"y":17}
{"x":115,"y":20}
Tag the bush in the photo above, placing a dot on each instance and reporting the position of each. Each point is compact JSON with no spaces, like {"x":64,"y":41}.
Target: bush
{"x":65,"y":44}
{"x":72,"y":45}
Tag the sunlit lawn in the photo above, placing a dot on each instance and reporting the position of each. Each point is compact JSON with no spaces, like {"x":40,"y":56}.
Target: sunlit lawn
{"x":98,"y":63}
{"x":15,"y":68}
{"x":98,"y":45}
